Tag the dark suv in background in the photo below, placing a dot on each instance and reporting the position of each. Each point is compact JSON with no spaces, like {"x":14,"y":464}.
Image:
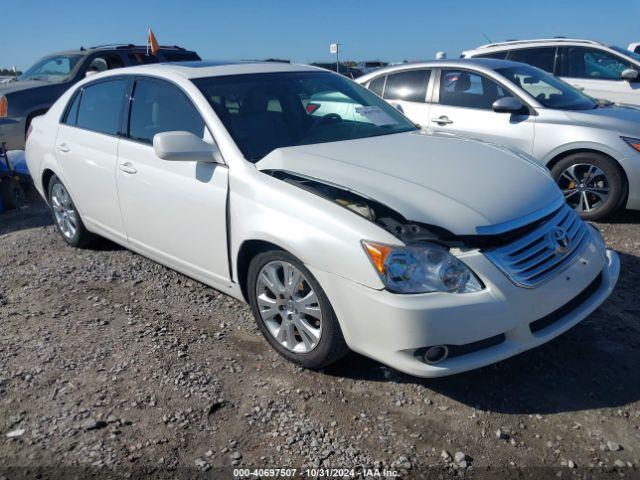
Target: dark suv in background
{"x":33,"y":92}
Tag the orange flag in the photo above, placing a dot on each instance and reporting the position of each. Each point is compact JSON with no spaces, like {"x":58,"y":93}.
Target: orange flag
{"x":152,"y":43}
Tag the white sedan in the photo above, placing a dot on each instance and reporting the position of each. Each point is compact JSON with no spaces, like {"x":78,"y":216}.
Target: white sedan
{"x":354,"y":230}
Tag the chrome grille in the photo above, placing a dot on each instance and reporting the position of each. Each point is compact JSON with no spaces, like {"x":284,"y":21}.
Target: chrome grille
{"x":540,"y":254}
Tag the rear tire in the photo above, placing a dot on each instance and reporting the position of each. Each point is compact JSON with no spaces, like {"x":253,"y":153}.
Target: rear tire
{"x":66,"y":216}
{"x":316,"y":340}
{"x":592,"y":184}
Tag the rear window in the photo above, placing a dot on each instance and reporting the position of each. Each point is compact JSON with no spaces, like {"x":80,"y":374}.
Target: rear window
{"x":497,"y":55}
{"x":376,"y":85}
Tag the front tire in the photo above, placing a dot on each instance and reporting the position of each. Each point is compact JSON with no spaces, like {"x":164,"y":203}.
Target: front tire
{"x":592,"y":184}
{"x":66,"y":216}
{"x":292,"y":311}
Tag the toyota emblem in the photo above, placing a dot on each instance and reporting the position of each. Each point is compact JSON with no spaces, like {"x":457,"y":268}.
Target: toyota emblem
{"x":559,"y":239}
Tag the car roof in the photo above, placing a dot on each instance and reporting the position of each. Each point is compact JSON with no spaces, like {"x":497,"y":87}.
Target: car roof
{"x":481,"y":63}
{"x":118,"y":48}
{"x":499,"y":46}
{"x":201,"y":69}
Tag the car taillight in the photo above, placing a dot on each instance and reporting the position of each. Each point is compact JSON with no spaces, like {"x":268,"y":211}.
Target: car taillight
{"x":312,"y":107}
{"x":4,"y":107}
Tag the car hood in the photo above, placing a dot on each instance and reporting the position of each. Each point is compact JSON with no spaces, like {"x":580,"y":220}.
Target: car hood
{"x":622,"y":119}
{"x":444,"y":180}
{"x":20,"y":85}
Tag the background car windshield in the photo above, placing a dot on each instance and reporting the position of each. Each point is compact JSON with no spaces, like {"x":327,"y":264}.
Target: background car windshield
{"x":547,"y":89}
{"x":52,"y":69}
{"x":263,"y":112}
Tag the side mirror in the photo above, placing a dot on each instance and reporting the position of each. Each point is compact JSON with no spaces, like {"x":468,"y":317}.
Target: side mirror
{"x":184,"y":147}
{"x":630,"y":75}
{"x":507,"y":105}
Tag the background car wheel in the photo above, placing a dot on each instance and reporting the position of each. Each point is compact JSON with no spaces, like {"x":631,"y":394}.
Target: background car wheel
{"x":592,"y":184}
{"x":66,"y":216}
{"x":12,"y":193}
{"x":293,"y":312}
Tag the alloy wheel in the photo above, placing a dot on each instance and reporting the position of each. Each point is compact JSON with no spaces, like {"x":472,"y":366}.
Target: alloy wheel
{"x":289,"y":307}
{"x":63,"y":211}
{"x":585,"y":187}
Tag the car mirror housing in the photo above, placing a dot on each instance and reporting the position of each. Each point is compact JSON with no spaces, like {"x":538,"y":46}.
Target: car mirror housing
{"x":507,"y":105}
{"x":630,"y":74}
{"x":184,"y":147}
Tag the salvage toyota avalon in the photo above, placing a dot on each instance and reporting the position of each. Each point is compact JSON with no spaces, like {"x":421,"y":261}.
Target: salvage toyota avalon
{"x":352,"y":230}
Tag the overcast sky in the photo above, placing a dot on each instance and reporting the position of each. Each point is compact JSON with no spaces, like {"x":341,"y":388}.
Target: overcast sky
{"x":302,"y":30}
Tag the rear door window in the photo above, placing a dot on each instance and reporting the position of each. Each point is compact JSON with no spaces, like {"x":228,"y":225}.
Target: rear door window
{"x":543,"y":58}
{"x":410,"y":86}
{"x":101,"y":106}
{"x":71,"y":116}
{"x":159,"y":106}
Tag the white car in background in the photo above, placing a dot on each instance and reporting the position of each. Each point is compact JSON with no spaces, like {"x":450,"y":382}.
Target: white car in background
{"x":359,"y":232}
{"x":592,"y":149}
{"x":601,"y":71}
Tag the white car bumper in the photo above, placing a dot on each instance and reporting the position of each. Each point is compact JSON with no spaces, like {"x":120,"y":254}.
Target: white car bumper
{"x":479,"y":328}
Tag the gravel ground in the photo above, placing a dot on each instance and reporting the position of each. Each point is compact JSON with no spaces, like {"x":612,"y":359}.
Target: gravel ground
{"x":111,"y":364}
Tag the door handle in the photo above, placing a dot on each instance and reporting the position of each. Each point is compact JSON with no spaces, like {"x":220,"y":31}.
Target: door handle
{"x":63,"y":147}
{"x":128,"y":167}
{"x":443,"y":120}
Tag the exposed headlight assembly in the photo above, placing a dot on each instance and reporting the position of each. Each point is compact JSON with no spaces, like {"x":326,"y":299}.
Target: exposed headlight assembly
{"x":421,"y":269}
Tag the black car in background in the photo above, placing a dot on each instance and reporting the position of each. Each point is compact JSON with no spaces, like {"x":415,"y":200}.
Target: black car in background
{"x":346,"y":70}
{"x":33,"y":92}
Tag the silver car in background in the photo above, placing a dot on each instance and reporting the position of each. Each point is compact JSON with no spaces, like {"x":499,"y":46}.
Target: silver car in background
{"x":591,"y":148}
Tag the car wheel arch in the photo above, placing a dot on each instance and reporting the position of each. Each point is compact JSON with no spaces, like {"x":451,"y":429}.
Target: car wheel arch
{"x":47,"y":175}
{"x":247,"y":251}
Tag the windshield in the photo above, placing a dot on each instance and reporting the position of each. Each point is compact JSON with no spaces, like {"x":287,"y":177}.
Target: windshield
{"x":266,"y":111}
{"x":55,"y":68}
{"x":626,"y":52}
{"x":547,"y":89}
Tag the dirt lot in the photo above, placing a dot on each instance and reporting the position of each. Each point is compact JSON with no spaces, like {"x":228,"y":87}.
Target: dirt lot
{"x":112,"y":364}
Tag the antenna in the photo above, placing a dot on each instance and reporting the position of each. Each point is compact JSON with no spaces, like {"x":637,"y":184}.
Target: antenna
{"x":486,"y":36}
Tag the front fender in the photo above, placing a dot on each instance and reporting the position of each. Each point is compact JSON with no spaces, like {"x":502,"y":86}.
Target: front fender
{"x":322,"y":234}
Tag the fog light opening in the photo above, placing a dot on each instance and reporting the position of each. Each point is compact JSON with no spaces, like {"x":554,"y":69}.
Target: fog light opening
{"x":436,"y":354}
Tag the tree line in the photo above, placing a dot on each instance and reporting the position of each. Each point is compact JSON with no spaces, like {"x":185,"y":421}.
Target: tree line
{"x":8,"y":72}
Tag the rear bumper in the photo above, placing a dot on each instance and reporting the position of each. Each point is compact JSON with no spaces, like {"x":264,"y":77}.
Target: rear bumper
{"x":12,"y":132}
{"x":394,"y":329}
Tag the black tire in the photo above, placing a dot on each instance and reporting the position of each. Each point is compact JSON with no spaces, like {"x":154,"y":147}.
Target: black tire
{"x":613,"y":178}
{"x":13,"y":195}
{"x":331,"y":346}
{"x":82,"y":236}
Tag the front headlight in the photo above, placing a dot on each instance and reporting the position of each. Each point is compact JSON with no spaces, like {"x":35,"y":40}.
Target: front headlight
{"x":421,"y":269}
{"x":632,"y":142}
